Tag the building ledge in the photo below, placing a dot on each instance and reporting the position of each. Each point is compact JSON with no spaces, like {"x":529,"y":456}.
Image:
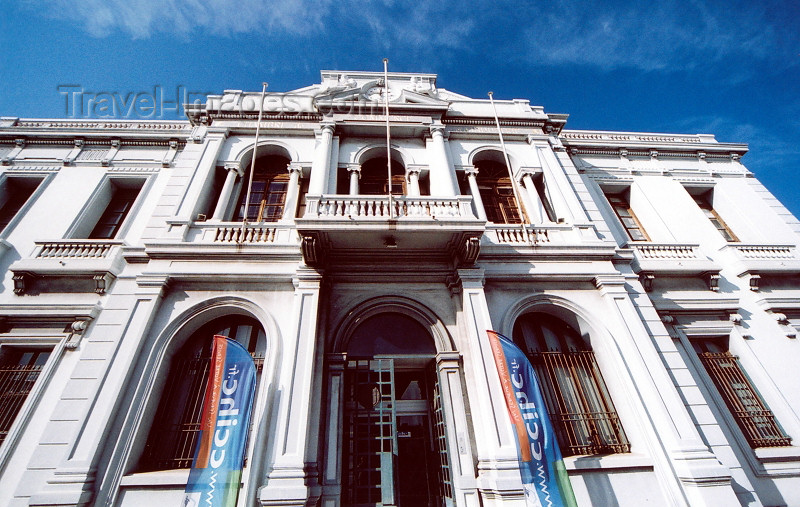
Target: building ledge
{"x":608,"y":462}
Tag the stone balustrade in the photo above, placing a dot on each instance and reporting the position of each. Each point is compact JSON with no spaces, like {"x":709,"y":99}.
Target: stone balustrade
{"x":764,"y":252}
{"x":380,"y":207}
{"x":666,"y":250}
{"x":75,"y":249}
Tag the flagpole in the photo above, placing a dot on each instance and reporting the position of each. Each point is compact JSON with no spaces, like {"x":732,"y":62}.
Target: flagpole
{"x":514,"y":185}
{"x":253,"y":162}
{"x":388,"y":135}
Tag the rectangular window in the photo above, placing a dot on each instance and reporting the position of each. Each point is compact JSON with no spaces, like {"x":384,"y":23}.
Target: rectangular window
{"x":751,"y":413}
{"x":13,"y":196}
{"x":19,"y":370}
{"x":704,"y":203}
{"x":121,"y":202}
{"x":622,"y":208}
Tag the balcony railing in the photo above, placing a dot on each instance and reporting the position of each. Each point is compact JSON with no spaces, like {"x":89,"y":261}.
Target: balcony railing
{"x":667,"y":251}
{"x":546,"y":234}
{"x":226,"y":233}
{"x":764,"y":252}
{"x":74,"y":249}
{"x":380,"y":207}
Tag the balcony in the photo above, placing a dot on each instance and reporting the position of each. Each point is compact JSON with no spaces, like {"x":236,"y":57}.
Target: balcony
{"x":653,"y":260}
{"x":339,"y":228}
{"x":68,"y":266}
{"x":760,"y":260}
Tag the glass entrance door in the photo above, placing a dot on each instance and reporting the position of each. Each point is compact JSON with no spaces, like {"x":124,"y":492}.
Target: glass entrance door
{"x":393,"y":453}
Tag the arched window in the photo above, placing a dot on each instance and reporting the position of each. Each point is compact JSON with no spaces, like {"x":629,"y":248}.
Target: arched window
{"x":577,"y":400}
{"x":176,"y":425}
{"x":268,"y":191}
{"x":373,"y":178}
{"x":497,"y":192}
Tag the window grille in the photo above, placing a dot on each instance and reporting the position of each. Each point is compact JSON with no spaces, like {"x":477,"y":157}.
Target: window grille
{"x":19,"y":371}
{"x":755,"y":419}
{"x":176,"y":426}
{"x":578,"y":403}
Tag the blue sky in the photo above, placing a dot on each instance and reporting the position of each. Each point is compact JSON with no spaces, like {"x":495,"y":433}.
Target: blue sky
{"x":727,"y":68}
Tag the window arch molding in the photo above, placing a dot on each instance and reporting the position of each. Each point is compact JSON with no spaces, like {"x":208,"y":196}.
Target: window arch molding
{"x":493,"y":154}
{"x":133,"y":422}
{"x":570,"y":312}
{"x":266,"y":147}
{"x":392,"y":304}
{"x":376,"y":150}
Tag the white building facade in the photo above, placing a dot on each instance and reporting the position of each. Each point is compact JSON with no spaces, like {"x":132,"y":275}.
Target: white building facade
{"x":651,"y":279}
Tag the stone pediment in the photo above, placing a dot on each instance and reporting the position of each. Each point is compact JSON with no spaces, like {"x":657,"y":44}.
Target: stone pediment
{"x":403,"y":90}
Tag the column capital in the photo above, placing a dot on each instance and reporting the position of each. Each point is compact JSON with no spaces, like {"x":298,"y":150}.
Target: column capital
{"x":413,"y":169}
{"x":294,"y":167}
{"x":307,"y":278}
{"x":234,"y":166}
{"x":354,"y":168}
{"x":326,"y":127}
{"x":471,"y":171}
{"x":438,"y":130}
{"x":528,"y":171}
{"x":471,"y":278}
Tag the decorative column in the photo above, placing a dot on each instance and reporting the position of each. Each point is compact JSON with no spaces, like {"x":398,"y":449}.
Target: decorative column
{"x":234,"y":171}
{"x":354,"y":170}
{"x":292,"y":191}
{"x":412,"y":179}
{"x":472,"y":179}
{"x":293,"y":478}
{"x":498,"y":466}
{"x":321,"y":165}
{"x":443,"y":175}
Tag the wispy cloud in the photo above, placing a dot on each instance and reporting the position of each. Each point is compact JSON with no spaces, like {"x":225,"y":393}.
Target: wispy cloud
{"x":768,"y":148}
{"x":665,"y":35}
{"x":144,"y":18}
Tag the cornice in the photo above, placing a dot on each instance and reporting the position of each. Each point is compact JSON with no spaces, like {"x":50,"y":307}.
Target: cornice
{"x":643,"y":144}
{"x":62,"y":140}
{"x":154,"y":125}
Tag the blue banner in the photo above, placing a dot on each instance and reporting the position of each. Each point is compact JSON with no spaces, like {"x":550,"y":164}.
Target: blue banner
{"x":544,"y":477}
{"x":217,"y":468}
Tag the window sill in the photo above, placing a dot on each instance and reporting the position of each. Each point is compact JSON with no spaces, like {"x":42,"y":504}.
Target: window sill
{"x":177,"y":477}
{"x":778,"y":454}
{"x":608,"y":462}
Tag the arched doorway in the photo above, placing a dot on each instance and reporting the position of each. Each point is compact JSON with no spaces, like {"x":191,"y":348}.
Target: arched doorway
{"x":394,"y":451}
{"x":374,"y":177}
